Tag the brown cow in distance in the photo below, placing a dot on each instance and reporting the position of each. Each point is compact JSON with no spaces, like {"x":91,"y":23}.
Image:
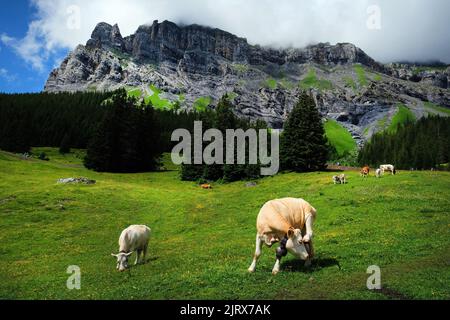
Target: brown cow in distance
{"x":365,"y":171}
{"x":206,"y":186}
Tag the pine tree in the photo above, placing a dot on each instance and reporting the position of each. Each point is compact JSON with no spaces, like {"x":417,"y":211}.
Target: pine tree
{"x":126,"y":140}
{"x":64,"y":147}
{"x":303,"y":146}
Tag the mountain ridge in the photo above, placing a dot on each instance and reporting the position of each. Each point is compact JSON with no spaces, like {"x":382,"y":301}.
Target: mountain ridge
{"x":187,"y":63}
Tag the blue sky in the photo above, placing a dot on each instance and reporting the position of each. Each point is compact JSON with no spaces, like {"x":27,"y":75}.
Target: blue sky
{"x":16,"y":74}
{"x":35,"y":35}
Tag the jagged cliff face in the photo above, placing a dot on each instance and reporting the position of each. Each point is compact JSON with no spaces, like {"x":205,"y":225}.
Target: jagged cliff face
{"x":186,"y":63}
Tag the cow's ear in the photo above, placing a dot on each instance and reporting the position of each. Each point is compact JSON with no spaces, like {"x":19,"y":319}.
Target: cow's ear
{"x":290,"y":233}
{"x":114,"y":255}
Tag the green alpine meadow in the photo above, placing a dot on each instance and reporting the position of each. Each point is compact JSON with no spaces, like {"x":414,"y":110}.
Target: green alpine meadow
{"x":202,"y":241}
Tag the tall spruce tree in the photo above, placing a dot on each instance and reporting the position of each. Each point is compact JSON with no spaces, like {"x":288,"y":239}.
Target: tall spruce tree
{"x":303,"y":146}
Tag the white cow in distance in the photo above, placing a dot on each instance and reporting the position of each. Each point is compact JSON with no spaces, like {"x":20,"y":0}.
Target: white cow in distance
{"x":133,"y":238}
{"x":378,"y":173}
{"x":388,"y":167}
{"x":340,"y":179}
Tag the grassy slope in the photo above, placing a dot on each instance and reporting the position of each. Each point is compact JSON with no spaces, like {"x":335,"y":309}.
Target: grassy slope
{"x":361,"y":74}
{"x":436,"y":107}
{"x":202,"y":103}
{"x":203,"y":240}
{"x":311,"y":81}
{"x":339,"y":137}
{"x":402,"y":116}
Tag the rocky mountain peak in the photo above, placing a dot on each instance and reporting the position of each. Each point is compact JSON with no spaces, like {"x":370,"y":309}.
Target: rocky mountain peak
{"x":196,"y":65}
{"x":106,"y":36}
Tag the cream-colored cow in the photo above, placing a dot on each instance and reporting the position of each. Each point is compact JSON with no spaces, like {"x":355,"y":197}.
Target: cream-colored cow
{"x":290,"y":221}
{"x":133,"y":238}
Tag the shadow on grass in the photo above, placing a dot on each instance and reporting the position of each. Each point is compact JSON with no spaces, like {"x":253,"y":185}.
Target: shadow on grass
{"x":132,"y":265}
{"x":295,"y":265}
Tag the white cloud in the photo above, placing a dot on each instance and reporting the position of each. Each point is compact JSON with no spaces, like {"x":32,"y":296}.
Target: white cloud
{"x":416,"y":30}
{"x":4,"y":74}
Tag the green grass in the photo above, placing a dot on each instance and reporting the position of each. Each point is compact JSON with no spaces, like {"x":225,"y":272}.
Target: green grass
{"x":135,"y":93}
{"x":382,"y":123}
{"x":270,"y":83}
{"x":311,"y":81}
{"x":361,"y":74}
{"x":377,"y":77}
{"x":203,"y":240}
{"x":402,"y":116}
{"x":202,"y":103}
{"x":339,"y":137}
{"x":240,"y":68}
{"x":232,"y":96}
{"x":349,"y":82}
{"x":437,"y":108}
{"x":156,"y":101}
{"x":287,"y":84}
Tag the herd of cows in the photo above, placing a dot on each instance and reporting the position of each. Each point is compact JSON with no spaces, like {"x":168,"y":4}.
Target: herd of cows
{"x":342,"y":179}
{"x":288,"y":221}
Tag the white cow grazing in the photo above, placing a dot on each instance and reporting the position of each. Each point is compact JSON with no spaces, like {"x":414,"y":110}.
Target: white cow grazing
{"x":340,"y":179}
{"x":388,"y":167}
{"x":378,"y":173}
{"x":285,"y":220}
{"x":133,"y":238}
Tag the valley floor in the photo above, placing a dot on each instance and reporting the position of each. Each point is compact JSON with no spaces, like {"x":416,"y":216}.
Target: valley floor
{"x":203,"y":240}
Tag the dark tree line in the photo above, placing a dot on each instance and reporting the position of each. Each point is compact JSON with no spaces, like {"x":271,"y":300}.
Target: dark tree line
{"x":46,"y":119}
{"x":123,"y":135}
{"x":223,"y":118}
{"x":65,"y":120}
{"x":424,"y":144}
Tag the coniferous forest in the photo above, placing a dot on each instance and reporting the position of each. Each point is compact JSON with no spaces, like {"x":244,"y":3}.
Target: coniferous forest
{"x":420,"y":145}
{"x":67,"y":120}
{"x":124,"y":135}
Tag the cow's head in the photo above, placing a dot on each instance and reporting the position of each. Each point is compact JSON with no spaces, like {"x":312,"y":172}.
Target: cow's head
{"x":295,"y":244}
{"x":122,"y":260}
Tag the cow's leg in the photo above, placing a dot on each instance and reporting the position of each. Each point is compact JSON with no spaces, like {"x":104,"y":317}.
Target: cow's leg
{"x":145,"y":254}
{"x":281,"y":252}
{"x":276,"y":267}
{"x":309,"y":232}
{"x":310,"y":249}
{"x":138,"y":254}
{"x":259,"y":243}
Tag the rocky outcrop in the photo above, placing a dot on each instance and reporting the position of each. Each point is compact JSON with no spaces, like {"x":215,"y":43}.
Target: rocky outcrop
{"x":436,"y":77}
{"x":189,"y":62}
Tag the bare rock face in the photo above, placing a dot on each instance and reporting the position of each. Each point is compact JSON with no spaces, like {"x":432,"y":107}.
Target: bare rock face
{"x":190,"y":62}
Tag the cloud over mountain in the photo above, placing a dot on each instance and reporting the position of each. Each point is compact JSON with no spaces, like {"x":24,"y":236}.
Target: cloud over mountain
{"x":416,"y":30}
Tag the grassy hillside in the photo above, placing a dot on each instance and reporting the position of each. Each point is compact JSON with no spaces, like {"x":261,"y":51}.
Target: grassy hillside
{"x":203,"y":240}
{"x":339,"y":137}
{"x":437,"y":108}
{"x":312,"y":81}
{"x":361,"y":74}
{"x":402,"y":116}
